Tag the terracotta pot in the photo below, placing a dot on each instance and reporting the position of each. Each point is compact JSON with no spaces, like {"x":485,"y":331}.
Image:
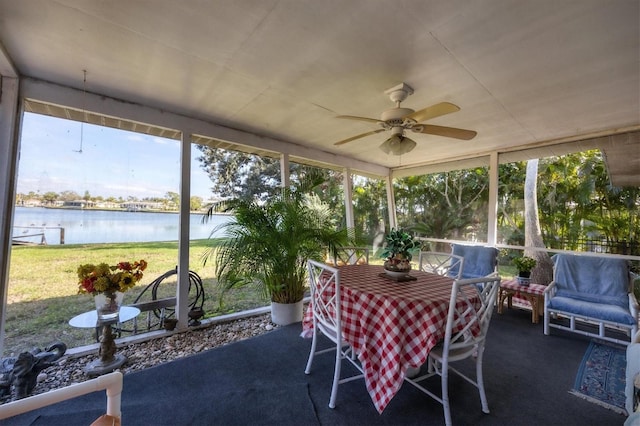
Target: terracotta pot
{"x":170,"y":324}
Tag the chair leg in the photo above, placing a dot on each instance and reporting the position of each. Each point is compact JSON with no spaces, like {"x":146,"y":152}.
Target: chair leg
{"x":336,"y":377}
{"x":545,"y":319}
{"x":312,"y":352}
{"x":480,"y":382}
{"x":445,"y":393}
{"x":431,"y":365}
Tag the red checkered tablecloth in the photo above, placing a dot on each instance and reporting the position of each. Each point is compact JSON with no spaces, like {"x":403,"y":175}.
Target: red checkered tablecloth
{"x":528,"y":289}
{"x":391,"y":325}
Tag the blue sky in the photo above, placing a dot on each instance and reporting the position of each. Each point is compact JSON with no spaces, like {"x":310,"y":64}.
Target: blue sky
{"x":112,"y":163}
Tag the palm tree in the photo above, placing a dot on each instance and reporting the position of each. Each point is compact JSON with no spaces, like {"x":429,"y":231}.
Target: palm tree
{"x":269,"y":243}
{"x":543,"y":273}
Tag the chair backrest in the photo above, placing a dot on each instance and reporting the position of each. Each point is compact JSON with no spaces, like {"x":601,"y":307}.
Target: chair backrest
{"x":592,"y":278}
{"x":470,"y":310}
{"x":324,"y":282}
{"x":351,"y":256}
{"x":479,"y":261}
{"x":441,"y":263}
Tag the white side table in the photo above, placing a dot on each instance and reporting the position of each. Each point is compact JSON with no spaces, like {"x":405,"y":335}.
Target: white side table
{"x":108,"y":360}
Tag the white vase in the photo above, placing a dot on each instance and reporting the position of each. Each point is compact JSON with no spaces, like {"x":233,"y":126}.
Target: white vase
{"x":108,"y":305}
{"x":286,"y":313}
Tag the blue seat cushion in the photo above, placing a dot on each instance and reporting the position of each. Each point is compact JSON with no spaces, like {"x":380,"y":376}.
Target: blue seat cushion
{"x":594,"y":278}
{"x":621,"y":300}
{"x":606,"y":312}
{"x":479,"y":261}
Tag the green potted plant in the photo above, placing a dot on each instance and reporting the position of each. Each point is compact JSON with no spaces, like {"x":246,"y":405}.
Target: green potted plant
{"x":524,"y":264}
{"x":397,"y":251}
{"x":269,"y":243}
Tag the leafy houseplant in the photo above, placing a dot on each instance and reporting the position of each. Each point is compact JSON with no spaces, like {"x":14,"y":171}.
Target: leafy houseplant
{"x":397,"y":250}
{"x":269,"y":243}
{"x":524,"y":264}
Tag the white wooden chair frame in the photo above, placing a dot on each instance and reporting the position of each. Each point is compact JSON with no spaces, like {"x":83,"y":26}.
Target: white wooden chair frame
{"x":440,"y":263}
{"x":459,"y":342}
{"x":324,"y":281}
{"x":599,"y":326}
{"x":351,"y":256}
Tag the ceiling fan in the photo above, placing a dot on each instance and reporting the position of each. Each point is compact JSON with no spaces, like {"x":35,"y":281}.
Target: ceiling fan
{"x":397,"y":120}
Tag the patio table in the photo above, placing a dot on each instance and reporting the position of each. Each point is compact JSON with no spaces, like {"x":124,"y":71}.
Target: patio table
{"x":390,"y":325}
{"x":108,"y":360}
{"x":532,"y":293}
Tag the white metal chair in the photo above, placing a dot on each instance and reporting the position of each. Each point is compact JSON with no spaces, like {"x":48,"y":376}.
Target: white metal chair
{"x":470,"y":309}
{"x":351,"y":256}
{"x":632,"y":378}
{"x":445,"y":264}
{"x":324,"y":281}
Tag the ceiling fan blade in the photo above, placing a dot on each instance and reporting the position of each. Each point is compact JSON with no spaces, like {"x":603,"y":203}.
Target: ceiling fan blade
{"x":449,"y":132}
{"x":354,"y":117}
{"x":433,"y":111}
{"x":359,"y":136}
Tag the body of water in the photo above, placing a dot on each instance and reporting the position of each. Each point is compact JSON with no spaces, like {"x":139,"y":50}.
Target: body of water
{"x":102,"y":226}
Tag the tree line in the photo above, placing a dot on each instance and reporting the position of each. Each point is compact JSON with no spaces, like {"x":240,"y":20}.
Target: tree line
{"x":170,"y":201}
{"x":575,"y":199}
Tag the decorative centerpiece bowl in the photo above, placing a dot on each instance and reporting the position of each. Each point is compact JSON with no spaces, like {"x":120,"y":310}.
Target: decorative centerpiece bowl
{"x":397,"y":253}
{"x":397,"y":274}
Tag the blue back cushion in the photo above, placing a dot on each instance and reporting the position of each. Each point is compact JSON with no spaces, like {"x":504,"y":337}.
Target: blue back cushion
{"x":592,"y":279}
{"x":479,"y":261}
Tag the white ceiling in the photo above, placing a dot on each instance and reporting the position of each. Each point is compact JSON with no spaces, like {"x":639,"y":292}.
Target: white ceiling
{"x":524,"y":73}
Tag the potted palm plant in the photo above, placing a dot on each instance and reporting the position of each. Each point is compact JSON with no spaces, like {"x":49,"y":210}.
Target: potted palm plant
{"x":269,"y":243}
{"x":397,"y":252}
{"x":524,"y":264}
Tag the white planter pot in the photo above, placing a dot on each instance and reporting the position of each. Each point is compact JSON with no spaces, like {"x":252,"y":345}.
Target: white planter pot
{"x":286,"y":313}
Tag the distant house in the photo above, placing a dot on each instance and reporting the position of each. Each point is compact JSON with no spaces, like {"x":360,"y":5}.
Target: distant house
{"x":107,"y":205}
{"x":79,"y":204}
{"x":134,"y":206}
{"x":31,"y":202}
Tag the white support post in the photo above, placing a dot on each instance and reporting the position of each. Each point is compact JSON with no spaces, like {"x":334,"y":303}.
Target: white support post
{"x":347,"y":185}
{"x":492,"y":216}
{"x":182,"y":291}
{"x":10,"y":114}
{"x":391,"y":202}
{"x":284,"y":171}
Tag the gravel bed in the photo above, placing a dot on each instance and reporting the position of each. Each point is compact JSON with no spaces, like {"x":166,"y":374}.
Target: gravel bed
{"x":69,"y":369}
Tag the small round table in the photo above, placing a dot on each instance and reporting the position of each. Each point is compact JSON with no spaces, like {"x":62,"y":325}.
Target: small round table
{"x":108,"y":360}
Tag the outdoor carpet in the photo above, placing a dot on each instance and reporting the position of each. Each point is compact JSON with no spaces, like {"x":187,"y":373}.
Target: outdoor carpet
{"x":601,"y":376}
{"x":261,"y":381}
{"x":247,"y":382}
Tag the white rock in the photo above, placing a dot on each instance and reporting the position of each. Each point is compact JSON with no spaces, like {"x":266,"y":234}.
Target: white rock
{"x":69,"y":369}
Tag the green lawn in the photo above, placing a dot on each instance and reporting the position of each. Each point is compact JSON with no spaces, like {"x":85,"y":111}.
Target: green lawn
{"x":43,"y":288}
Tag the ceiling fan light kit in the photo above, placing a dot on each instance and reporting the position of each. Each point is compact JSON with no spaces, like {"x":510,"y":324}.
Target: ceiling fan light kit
{"x":398,"y":119}
{"x":397,"y":145}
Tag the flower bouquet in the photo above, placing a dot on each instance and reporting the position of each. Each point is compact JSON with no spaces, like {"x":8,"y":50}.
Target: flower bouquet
{"x":108,"y":283}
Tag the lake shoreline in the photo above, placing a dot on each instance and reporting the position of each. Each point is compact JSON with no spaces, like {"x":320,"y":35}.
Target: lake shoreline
{"x":123,"y":210}
{"x":58,"y":226}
